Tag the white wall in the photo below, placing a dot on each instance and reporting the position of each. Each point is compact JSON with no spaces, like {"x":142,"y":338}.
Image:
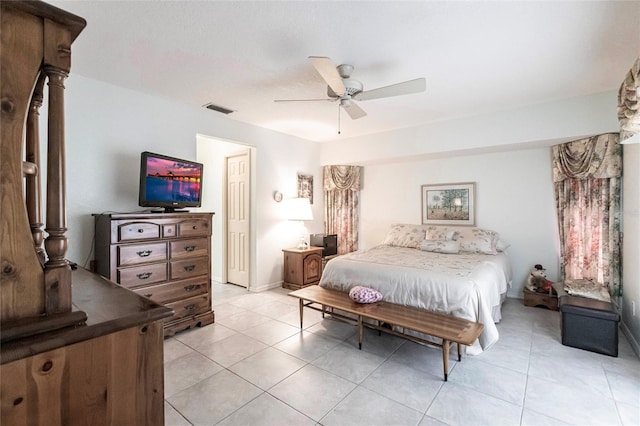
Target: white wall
{"x":535,"y":125}
{"x":106,"y":129}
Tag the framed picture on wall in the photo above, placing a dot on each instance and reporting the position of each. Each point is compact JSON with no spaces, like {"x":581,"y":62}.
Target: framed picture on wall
{"x":449,"y":204}
{"x":305,"y":187}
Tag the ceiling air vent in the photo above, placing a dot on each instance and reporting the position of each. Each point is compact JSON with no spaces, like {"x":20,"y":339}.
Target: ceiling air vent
{"x":218,"y":108}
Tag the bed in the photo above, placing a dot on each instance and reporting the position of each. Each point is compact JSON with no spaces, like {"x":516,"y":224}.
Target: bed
{"x":464,"y":272}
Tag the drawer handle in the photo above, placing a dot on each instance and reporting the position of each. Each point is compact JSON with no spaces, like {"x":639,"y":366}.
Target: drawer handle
{"x":192,"y":287}
{"x":194,"y":227}
{"x":189,"y":268}
{"x":140,"y":230}
{"x":148,"y":295}
{"x":190,"y":307}
{"x":189,"y":248}
{"x":144,"y":275}
{"x":144,"y":253}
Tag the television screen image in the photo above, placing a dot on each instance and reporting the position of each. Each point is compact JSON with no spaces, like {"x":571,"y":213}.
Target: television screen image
{"x":169,"y":182}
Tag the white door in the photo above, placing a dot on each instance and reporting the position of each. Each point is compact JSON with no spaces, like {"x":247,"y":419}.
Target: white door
{"x":238,"y":214}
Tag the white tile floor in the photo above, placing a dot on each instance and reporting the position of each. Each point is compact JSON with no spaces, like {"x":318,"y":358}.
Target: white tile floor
{"x":255,"y":367}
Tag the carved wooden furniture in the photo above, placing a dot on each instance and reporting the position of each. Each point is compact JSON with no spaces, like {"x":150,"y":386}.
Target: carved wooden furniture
{"x":163,"y":256}
{"x":302,"y":267}
{"x":90,"y":353}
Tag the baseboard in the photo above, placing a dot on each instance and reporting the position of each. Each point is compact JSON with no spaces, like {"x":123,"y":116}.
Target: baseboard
{"x":265,"y":287}
{"x":632,"y":340}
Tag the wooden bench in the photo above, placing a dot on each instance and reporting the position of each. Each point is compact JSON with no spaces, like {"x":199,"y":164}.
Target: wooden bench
{"x":448,"y":328}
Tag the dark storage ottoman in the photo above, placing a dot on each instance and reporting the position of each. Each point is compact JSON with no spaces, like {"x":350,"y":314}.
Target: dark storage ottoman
{"x":589,"y":324}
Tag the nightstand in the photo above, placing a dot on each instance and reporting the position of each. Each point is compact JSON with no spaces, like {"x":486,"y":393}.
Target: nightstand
{"x":302,"y":267}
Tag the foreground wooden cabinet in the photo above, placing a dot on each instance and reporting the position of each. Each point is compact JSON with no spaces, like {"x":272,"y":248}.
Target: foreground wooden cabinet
{"x":107,"y":371}
{"x":90,"y":353}
{"x":163,"y":256}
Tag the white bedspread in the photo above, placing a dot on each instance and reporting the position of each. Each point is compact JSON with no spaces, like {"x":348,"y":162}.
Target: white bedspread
{"x":469,"y":286}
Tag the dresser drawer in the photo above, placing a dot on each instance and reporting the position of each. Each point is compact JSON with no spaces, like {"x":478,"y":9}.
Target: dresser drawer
{"x":177,"y":290}
{"x":190,"y":306}
{"x":194,"y":228}
{"x":189,"y":268}
{"x":189,"y":248}
{"x":138,"y":231}
{"x":140,"y":253}
{"x":142,"y":275}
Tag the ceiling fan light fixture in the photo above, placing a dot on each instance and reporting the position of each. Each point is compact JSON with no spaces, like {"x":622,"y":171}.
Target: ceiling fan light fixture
{"x":345,"y":70}
{"x":351,"y":87}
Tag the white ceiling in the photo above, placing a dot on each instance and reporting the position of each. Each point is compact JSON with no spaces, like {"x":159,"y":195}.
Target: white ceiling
{"x":477,"y":56}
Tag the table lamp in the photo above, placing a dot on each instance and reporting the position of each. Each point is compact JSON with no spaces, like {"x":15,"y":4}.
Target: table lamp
{"x":299,"y":209}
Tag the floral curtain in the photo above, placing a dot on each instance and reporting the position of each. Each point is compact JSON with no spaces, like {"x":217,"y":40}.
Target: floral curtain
{"x":629,"y":103}
{"x":341,"y":200}
{"x":587,"y":179}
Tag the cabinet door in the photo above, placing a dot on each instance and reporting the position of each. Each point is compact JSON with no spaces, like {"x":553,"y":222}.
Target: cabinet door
{"x":175,"y":290}
{"x":189,"y":268}
{"x":142,"y":275}
{"x":141,"y":253}
{"x":138,"y":231}
{"x":190,"y":306}
{"x":190,"y":248}
{"x":194,"y":228}
{"x":312,"y":268}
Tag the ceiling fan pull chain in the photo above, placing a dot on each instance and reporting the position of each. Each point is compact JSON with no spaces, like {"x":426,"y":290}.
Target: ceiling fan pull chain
{"x":338,"y":118}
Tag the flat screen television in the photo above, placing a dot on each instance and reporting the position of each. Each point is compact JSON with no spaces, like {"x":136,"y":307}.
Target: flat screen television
{"x":169,"y":183}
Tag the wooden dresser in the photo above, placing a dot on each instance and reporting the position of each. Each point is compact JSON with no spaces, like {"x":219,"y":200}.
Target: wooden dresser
{"x":302,"y":267}
{"x":163,"y":256}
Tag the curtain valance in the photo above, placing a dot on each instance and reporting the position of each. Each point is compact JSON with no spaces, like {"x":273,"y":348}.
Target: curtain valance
{"x":628,"y":103}
{"x":596,"y":157}
{"x":342,"y":177}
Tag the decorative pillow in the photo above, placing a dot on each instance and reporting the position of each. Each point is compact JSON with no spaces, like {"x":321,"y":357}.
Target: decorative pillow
{"x":360,"y":294}
{"x":438,"y":246}
{"x":471,"y":239}
{"x":441,"y":234}
{"x":402,"y":235}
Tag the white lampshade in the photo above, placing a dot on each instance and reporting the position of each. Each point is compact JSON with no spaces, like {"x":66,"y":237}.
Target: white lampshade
{"x":299,"y":209}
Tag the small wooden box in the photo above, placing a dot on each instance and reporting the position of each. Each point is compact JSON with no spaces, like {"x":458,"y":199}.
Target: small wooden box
{"x":546,"y":300}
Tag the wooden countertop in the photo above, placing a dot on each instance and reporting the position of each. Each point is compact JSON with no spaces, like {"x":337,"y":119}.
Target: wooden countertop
{"x":108,"y":307}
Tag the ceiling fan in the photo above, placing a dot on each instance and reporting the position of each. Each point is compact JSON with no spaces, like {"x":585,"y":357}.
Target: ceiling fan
{"x":341,"y":87}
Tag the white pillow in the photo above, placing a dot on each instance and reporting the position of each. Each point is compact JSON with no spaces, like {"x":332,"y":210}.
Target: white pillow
{"x":441,"y":234}
{"x":471,"y":239}
{"x":439,"y":246}
{"x":402,"y":235}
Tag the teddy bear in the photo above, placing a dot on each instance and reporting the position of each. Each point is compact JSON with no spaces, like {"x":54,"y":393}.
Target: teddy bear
{"x":537,"y":280}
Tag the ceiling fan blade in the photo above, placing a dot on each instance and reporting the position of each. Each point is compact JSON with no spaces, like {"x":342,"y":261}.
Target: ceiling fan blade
{"x":353,"y":110}
{"x":328,"y":71}
{"x":405,"y":88}
{"x":306,"y":100}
